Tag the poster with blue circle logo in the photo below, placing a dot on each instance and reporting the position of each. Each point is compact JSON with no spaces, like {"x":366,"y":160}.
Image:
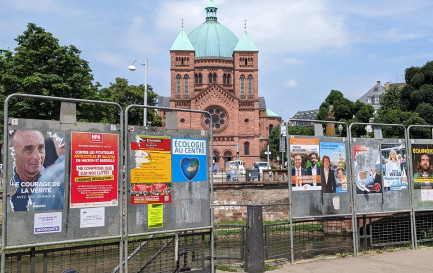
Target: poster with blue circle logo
{"x":188,"y":160}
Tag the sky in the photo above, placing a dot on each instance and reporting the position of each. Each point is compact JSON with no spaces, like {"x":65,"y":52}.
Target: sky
{"x":306,"y":47}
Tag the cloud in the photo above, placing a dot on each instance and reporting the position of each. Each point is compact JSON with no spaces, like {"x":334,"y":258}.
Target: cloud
{"x":280,"y":26}
{"x":292,"y":61}
{"x":290,"y":84}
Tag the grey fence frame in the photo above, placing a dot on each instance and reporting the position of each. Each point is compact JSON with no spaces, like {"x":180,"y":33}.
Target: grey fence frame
{"x":176,"y":231}
{"x":5,"y":167}
{"x":377,"y":129}
{"x":288,"y":160}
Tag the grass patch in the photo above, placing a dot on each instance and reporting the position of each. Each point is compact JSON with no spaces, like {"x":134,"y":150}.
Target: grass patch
{"x":226,"y":268}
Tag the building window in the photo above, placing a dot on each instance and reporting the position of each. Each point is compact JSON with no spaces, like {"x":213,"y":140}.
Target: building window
{"x":210,"y":78}
{"x":218,"y":116}
{"x":250,"y":85}
{"x":178,"y":84}
{"x":185,"y":81}
{"x":224,"y":79}
{"x":242,"y":85}
{"x":246,"y":148}
{"x":376,"y":100}
{"x":228,"y":78}
{"x":246,"y":120}
{"x":182,"y":120}
{"x":214,"y":77}
{"x":200,"y":78}
{"x":368,"y":100}
{"x":271,"y":126}
{"x":196,"y":78}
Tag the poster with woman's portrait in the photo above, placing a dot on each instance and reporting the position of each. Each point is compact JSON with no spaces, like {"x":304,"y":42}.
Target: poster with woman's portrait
{"x":394,"y":166}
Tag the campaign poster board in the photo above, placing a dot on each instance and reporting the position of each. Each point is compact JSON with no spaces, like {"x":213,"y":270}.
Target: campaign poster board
{"x":38,"y":170}
{"x":422,"y":162}
{"x":336,"y":152}
{"x":189,"y":159}
{"x":366,"y":165}
{"x":302,"y":177}
{"x":394,"y":166}
{"x":94,"y":169}
{"x":151,"y":176}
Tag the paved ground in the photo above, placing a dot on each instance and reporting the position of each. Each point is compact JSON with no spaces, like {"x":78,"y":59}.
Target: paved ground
{"x":413,"y":261}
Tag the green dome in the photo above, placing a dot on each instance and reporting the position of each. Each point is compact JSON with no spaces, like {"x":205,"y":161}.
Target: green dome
{"x":211,"y":39}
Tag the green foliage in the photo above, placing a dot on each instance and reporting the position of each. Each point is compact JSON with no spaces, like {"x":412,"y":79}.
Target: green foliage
{"x":226,"y":268}
{"x":124,"y":94}
{"x":40,"y":66}
{"x":346,"y":111}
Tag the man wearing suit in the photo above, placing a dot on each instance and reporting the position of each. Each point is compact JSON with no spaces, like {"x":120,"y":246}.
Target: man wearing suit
{"x":298,"y":170}
{"x":327,"y":176}
{"x":313,"y":169}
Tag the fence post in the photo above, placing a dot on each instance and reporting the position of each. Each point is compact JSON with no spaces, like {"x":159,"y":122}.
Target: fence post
{"x":254,"y":251}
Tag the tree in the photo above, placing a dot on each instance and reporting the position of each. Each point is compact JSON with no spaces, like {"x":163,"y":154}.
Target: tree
{"x":346,"y":111}
{"x":125,"y":94}
{"x":40,"y":66}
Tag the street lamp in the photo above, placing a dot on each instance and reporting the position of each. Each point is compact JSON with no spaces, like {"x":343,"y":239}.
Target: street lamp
{"x":133,"y":68}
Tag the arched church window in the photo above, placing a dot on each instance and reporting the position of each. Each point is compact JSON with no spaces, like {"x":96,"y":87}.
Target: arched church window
{"x":271,"y":126}
{"x":242,"y":85}
{"x":224,"y":79}
{"x":250,"y":85}
{"x":214,"y":77}
{"x":185,"y":81}
{"x":200,"y":78}
{"x":196,"y":78}
{"x":246,"y":148}
{"x":178,"y":84}
{"x":210,"y":78}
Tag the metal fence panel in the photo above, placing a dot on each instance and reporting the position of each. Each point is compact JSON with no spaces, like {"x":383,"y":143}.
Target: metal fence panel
{"x":27,"y":227}
{"x":422,"y":190}
{"x":373,"y":192}
{"x":309,"y":195}
{"x":185,"y":204}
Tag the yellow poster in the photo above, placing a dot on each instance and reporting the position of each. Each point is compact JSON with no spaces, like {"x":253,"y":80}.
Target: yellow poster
{"x":152,"y":159}
{"x":155,"y":213}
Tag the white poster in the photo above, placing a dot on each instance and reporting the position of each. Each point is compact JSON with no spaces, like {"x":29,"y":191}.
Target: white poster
{"x":92,"y":217}
{"x":48,"y":222}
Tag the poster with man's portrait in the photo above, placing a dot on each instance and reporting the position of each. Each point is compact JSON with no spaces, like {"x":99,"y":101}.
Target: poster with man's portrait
{"x":367,"y":169}
{"x":37,"y":170}
{"x":304,"y":153}
{"x":422,"y":158}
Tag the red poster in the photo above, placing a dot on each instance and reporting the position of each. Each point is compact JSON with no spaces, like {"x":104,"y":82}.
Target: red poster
{"x":94,"y":179}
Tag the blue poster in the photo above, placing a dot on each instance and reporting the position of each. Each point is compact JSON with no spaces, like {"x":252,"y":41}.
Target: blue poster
{"x":333,"y":167}
{"x":188,"y":159}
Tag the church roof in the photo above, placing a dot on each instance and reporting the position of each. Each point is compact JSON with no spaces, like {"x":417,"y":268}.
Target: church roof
{"x":270,"y":113}
{"x":246,"y":43}
{"x":182,"y":42}
{"x":211,"y":39}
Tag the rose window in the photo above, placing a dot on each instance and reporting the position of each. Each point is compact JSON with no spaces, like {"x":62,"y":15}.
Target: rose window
{"x":218,"y":117}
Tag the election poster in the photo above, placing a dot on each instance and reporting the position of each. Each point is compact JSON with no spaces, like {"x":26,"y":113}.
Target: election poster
{"x":422,"y":155}
{"x":189,"y":160}
{"x":394,"y":166}
{"x":37,"y":170}
{"x":367,"y":168}
{"x":333,"y":161}
{"x":151,"y":172}
{"x":306,"y":165}
{"x":94,"y":171}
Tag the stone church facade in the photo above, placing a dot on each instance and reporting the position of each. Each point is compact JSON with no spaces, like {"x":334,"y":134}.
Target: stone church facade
{"x":212,"y":70}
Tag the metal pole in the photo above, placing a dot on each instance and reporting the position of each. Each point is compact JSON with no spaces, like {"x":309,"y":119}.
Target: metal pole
{"x":145,"y":93}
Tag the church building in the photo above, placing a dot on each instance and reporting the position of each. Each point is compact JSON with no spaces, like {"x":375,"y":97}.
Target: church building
{"x":212,"y":70}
